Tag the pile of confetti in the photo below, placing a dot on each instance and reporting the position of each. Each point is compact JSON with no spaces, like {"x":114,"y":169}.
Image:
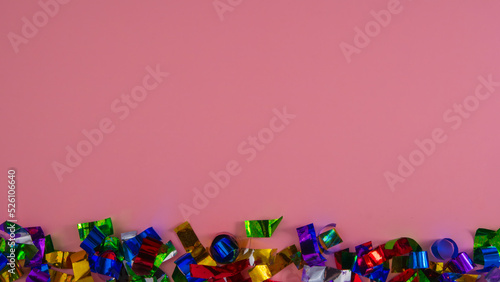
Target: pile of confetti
{"x":138,"y":257}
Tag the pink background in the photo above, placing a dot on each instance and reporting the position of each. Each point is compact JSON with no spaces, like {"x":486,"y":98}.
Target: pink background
{"x":352,"y":121}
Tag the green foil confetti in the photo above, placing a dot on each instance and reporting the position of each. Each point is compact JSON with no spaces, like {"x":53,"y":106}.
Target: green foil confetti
{"x":261,"y":228}
{"x":3,"y":245}
{"x":329,"y":238}
{"x":25,"y":251}
{"x":112,"y":244}
{"x":178,"y":276}
{"x":105,"y":225}
{"x":49,"y":246}
{"x":167,"y":251}
{"x":399,"y":264}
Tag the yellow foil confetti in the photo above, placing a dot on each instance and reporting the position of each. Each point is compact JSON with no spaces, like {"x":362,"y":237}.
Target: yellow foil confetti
{"x":468,"y":278}
{"x":192,"y":244}
{"x":436,"y":266}
{"x":258,"y":256}
{"x":59,"y":259}
{"x":81,"y":268}
{"x":285,"y":258}
{"x":57,"y":276}
{"x":260,"y":273}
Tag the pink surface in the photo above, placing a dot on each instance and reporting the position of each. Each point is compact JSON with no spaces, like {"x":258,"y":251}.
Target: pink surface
{"x":229,"y":73}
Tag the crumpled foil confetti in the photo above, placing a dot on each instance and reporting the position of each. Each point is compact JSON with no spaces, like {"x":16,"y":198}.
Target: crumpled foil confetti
{"x":139,"y":256}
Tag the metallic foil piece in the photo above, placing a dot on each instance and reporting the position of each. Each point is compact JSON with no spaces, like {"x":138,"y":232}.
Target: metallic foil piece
{"x":345,"y":276}
{"x":309,"y":246}
{"x":374,"y":257}
{"x":22,"y":235}
{"x":487,"y":256}
{"x":486,"y":238}
{"x":493,"y":275}
{"x":313,"y":273}
{"x":260,"y":273}
{"x":192,"y":244}
{"x":6,"y":276}
{"x":168,"y":251}
{"x":325,"y":274}
{"x":81,"y":269}
{"x":444,"y":249}
{"x":38,"y":239}
{"x":284,"y":258}
{"x":3,"y":261}
{"x":37,"y":275}
{"x":25,"y":251}
{"x":344,"y":259}
{"x":399,"y":264}
{"x":49,"y":246}
{"x":93,"y":240}
{"x":131,"y":246}
{"x":105,"y":266}
{"x":468,"y":278}
{"x":105,"y":225}
{"x":437,"y":267}
{"x":258,"y":256}
{"x":329,"y":237}
{"x":224,"y":248}
{"x":401,"y":246}
{"x":59,"y":259}
{"x":261,"y":228}
{"x":407,"y":275}
{"x":128,"y":235}
{"x":110,"y":244}
{"x":418,"y":260}
{"x":218,"y":272}
{"x":57,"y":276}
{"x":3,"y":245}
{"x":80,"y":264}
{"x":184,"y":264}
{"x":144,"y":261}
{"x":461,"y":264}
{"x":178,"y":276}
